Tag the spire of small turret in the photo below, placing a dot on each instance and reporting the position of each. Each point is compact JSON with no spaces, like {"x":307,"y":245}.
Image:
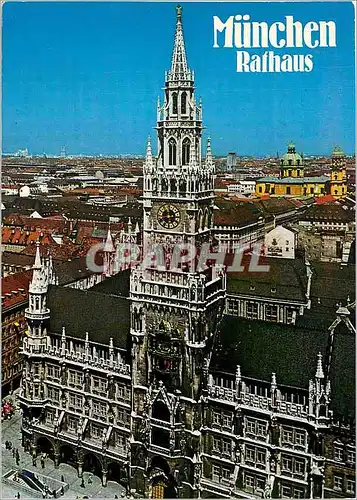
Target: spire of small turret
{"x":179,"y":69}
{"x":40,"y":275}
{"x":37,"y":264}
{"x":109,"y":245}
{"x":319,"y":370}
{"x":209,"y":158}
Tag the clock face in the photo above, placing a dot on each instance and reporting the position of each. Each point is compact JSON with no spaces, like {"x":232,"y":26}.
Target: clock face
{"x":168,"y":216}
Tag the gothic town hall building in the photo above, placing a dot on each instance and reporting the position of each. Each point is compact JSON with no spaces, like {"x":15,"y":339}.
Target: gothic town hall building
{"x":124,"y":379}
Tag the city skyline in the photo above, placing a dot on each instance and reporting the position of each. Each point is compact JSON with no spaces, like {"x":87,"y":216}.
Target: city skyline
{"x":95,"y":89}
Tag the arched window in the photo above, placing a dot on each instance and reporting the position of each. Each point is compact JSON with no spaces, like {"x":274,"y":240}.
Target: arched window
{"x":172,"y":151}
{"x":37,"y":300}
{"x":174,"y":103}
{"x":186,"y":151}
{"x":183,"y":103}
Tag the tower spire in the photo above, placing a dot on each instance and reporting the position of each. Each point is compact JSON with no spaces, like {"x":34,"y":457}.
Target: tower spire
{"x":179,"y":69}
{"x":37,"y":263}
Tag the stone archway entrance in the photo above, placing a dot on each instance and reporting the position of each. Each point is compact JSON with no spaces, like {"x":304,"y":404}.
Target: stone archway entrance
{"x":117,"y":472}
{"x":67,"y":455}
{"x":162,"y":482}
{"x":44,"y":445}
{"x":91,"y":463}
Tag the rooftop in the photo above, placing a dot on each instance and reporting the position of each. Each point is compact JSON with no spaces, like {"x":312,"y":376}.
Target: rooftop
{"x":101,"y":315}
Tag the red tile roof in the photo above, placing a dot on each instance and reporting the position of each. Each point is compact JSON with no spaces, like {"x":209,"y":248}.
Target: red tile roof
{"x":67,"y":250}
{"x":328,"y":198}
{"x":18,"y":236}
{"x":56,"y":224}
{"x":14,"y":288}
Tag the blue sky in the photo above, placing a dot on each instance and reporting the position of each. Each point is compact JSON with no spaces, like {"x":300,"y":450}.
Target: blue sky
{"x":87,"y":76}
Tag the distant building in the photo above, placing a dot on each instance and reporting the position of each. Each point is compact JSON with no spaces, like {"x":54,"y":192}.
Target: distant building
{"x":22,"y":153}
{"x":231,"y":160}
{"x":293,"y":182}
{"x":280,"y":242}
{"x":326,"y":232}
{"x":243,"y":187}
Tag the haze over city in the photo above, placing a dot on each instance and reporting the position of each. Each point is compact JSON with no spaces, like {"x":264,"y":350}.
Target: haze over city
{"x":88,"y":75}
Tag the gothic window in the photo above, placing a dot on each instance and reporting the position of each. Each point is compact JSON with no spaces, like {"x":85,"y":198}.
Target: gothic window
{"x":183,"y":103}
{"x":182,"y":187}
{"x":161,"y":437}
{"x":161,"y":411}
{"x":174,"y":103}
{"x":172,"y":185}
{"x":186,"y":151}
{"x":172,"y":151}
{"x":37,"y":301}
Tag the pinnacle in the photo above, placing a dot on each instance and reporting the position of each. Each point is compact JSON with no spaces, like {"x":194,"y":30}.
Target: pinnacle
{"x":179,"y":69}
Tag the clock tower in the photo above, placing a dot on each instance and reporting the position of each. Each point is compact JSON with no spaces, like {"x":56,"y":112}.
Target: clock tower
{"x":177,"y":299}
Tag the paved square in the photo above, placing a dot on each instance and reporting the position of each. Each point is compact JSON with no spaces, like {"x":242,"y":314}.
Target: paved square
{"x":11,"y":431}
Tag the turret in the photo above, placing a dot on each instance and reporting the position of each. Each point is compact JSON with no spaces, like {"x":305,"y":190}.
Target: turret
{"x":109,"y":255}
{"x":338,"y":185}
{"x":37,"y":313}
{"x":319,"y":395}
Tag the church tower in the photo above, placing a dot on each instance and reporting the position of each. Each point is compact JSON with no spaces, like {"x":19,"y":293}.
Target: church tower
{"x":176,"y":298}
{"x":338,"y":186}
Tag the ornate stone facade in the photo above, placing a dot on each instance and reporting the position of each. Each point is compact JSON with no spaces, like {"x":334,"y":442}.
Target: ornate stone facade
{"x":151,"y":412}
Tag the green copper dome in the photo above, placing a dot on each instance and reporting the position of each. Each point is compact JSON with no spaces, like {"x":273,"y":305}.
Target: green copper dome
{"x":291,"y":158}
{"x":337,"y":151}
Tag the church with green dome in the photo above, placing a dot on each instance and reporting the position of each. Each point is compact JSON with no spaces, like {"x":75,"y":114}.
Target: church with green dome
{"x":292,"y":181}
